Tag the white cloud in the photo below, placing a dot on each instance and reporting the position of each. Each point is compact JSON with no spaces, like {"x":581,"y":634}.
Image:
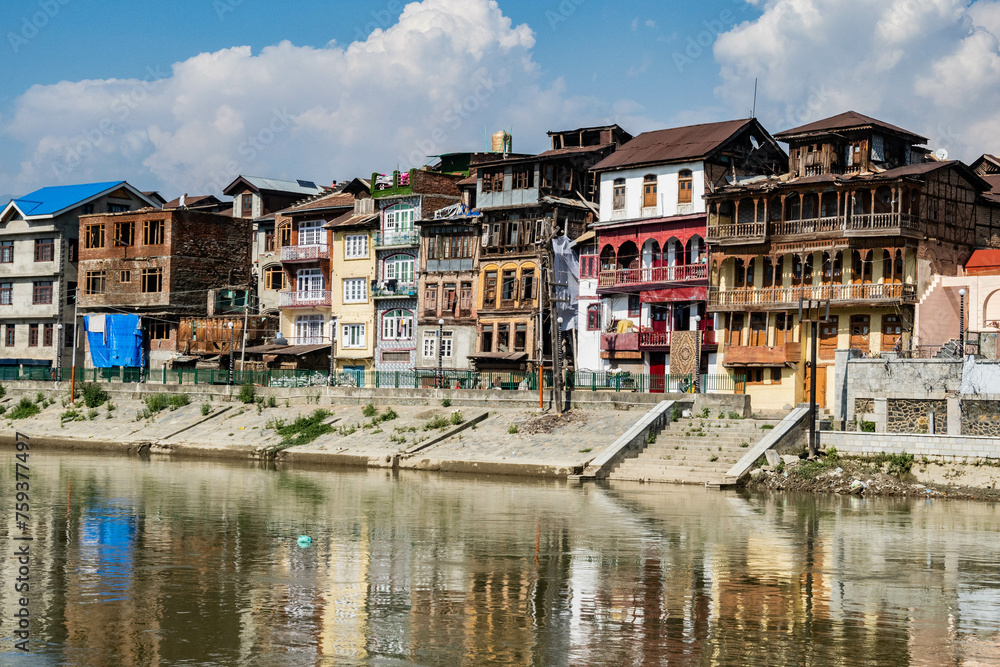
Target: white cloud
{"x":650,"y":23}
{"x":430,"y":83}
{"x":931,"y":66}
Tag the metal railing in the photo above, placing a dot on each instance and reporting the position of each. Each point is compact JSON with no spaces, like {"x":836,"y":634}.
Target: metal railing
{"x":405,"y":379}
{"x":776,"y":296}
{"x":304,"y":253}
{"x":403,"y":238}
{"x":653,"y":274}
{"x":397,"y":291}
{"x":304,"y":299}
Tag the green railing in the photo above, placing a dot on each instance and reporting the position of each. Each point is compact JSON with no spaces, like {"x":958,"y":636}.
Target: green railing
{"x":409,"y":379}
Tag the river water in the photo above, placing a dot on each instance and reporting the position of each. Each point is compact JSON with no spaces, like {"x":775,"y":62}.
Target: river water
{"x":157,"y":562}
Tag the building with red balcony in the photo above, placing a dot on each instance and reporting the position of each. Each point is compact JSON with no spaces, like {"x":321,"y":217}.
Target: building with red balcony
{"x":648,"y":258}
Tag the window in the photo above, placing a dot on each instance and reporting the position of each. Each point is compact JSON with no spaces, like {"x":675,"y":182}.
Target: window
{"x":685,"y":181}
{"x":735,"y":329}
{"x":649,"y":191}
{"x":125,"y":276}
{"x":618,"y":200}
{"x":124,"y":234}
{"x":758,"y":329}
{"x":42,"y":292}
{"x":274,"y":278}
{"x":828,"y":337}
{"x":430,"y":345}
{"x":68,"y":336}
{"x":634,"y":305}
{"x":311,"y":232}
{"x":398,"y":219}
{"x":269,"y":241}
{"x":589,"y":262}
{"x":524,"y":177}
{"x":118,"y":208}
{"x":9,"y":335}
{"x":450,"y":246}
{"x":285,"y":236}
{"x":782,"y":328}
{"x":6,"y":252}
{"x":159,"y":330}
{"x":397,"y":325}
{"x":860,"y":331}
{"x":465,"y":300}
{"x":396,"y":358}
{"x":246,"y":206}
{"x":509,"y":286}
{"x":94,"y":237}
{"x":45,"y":250}
{"x":47,"y":331}
{"x":355,"y":290}
{"x":72,"y":249}
{"x":356,"y":246}
{"x":527,"y":284}
{"x":775,"y":376}
{"x":95,"y":282}
{"x":520,"y":337}
{"x":400,"y":269}
{"x":88,"y":209}
{"x":490,"y":289}
{"x":449,"y":297}
{"x":493,"y":180}
{"x":594,"y":317}
{"x":892,"y":332}
{"x":32,"y":335}
{"x":309,"y":330}
{"x":503,"y":338}
{"x":486,"y":339}
{"x":6,"y":294}
{"x":760,"y":375}
{"x":354,"y":336}
{"x":151,"y":281}
{"x":430,"y":299}
{"x":310,"y":280}
{"x":152,"y":233}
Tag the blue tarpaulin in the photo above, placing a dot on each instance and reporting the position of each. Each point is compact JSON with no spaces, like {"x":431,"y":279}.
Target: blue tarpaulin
{"x":117,"y":343}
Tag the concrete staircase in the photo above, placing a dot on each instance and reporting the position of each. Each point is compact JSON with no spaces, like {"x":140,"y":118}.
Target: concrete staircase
{"x":694,"y":451}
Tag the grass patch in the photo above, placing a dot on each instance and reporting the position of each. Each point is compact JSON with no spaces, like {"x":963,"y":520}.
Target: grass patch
{"x":304,"y":430}
{"x":585,"y":451}
{"x":456,"y":418}
{"x":369,"y":410}
{"x":735,"y":415}
{"x":766,"y":427}
{"x":512,"y":429}
{"x":72,"y":416}
{"x":205,"y":409}
{"x":437,"y":423}
{"x":26,"y":408}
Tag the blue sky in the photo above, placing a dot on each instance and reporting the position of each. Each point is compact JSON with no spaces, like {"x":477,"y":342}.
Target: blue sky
{"x":102,"y":91}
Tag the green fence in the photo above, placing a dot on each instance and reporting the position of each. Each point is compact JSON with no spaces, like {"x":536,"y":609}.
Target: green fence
{"x":410,"y":379}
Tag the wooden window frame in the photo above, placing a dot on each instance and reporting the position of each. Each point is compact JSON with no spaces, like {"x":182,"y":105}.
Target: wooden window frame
{"x":634,"y":305}
{"x":32,"y":335}
{"x":41,"y":293}
{"x":45,"y":250}
{"x":94,"y":236}
{"x":149,"y":279}
{"x":95,"y":282}
{"x":685,"y":183}
{"x":124,"y":234}
{"x":649,"y":188}
{"x":153,"y":232}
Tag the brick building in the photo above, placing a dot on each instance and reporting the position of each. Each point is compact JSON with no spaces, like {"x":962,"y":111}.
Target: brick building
{"x":161,"y":265}
{"x":39,"y":235}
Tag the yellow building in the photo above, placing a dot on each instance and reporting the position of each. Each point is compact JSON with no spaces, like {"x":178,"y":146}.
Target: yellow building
{"x":352,"y":269}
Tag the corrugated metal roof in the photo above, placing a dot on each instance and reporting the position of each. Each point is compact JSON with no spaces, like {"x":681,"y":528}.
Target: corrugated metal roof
{"x":349,"y":219}
{"x":676,"y":144}
{"x":332,"y":200}
{"x":294,"y":350}
{"x":849,"y":120}
{"x":53,"y":199}
{"x":278,"y":185}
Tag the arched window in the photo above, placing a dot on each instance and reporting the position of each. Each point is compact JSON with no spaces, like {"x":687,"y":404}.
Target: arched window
{"x":398,"y":268}
{"x":397,"y":325}
{"x":618,"y":198}
{"x":649,"y":191}
{"x":685,"y":180}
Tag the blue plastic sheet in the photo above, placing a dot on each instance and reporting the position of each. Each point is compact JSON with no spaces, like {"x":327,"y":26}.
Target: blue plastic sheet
{"x":120,"y":344}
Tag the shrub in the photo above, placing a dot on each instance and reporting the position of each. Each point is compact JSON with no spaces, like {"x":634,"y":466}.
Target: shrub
{"x":92,"y":414}
{"x":722,"y":415}
{"x":676,"y":414}
{"x":438,"y":422}
{"x":370,"y":410}
{"x":272,"y":402}
{"x":205,"y":409}
{"x":26,"y":408}
{"x":832,"y":455}
{"x":246,"y":393}
{"x":111,"y":407}
{"x":456,"y":418}
{"x":512,"y":429}
{"x":156,"y":402}
{"x":179,"y":400}
{"x":39,"y":397}
{"x":388,"y":415}
{"x":868,"y":427}
{"x":93,"y":395}
{"x":704,"y":413}
{"x":3,"y":391}
{"x":446,"y":402}
{"x":304,"y":429}
{"x":71,"y":416}
{"x":735,"y":415}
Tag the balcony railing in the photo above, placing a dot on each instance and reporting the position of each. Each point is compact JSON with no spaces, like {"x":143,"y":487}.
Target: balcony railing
{"x":396,"y":291}
{"x":304,"y":253}
{"x":654,"y":274}
{"x":776,"y":355}
{"x":789,"y":296}
{"x":390,"y":239}
{"x":736,"y":230}
{"x":855,"y":222}
{"x":880,"y":221}
{"x":833,"y":223}
{"x":306,"y":299}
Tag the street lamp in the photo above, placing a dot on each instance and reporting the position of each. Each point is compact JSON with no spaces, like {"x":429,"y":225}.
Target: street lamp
{"x":232,"y":366}
{"x":961,"y":322}
{"x":440,"y":382}
{"x":333,"y":348}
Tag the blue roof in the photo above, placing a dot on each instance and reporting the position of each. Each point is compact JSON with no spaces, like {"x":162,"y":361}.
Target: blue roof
{"x":51,"y":200}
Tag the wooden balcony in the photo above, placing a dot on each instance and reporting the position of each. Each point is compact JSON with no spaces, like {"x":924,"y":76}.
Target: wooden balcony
{"x":763,"y":355}
{"x":304,"y":253}
{"x":654,"y":274}
{"x":737,"y":233}
{"x":860,"y":224}
{"x":788,"y":297}
{"x":307,"y":299}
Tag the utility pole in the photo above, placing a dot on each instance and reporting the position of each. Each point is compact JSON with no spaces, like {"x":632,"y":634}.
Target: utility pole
{"x":548,"y":260}
{"x":807,"y":307}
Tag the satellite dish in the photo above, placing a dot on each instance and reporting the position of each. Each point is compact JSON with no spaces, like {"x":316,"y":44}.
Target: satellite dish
{"x":941,"y":154}
{"x":753,"y":140}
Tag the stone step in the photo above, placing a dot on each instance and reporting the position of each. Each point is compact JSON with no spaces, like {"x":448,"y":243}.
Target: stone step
{"x":677,"y":477}
{"x":666,"y":465}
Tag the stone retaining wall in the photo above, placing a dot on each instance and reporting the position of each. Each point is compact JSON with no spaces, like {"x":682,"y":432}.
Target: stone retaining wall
{"x":931,"y":446}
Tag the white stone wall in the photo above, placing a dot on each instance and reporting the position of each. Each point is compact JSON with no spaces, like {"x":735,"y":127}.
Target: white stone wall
{"x":666,"y":191}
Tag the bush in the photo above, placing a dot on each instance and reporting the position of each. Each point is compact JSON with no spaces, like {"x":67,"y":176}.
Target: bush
{"x":832,"y":455}
{"x":704,"y":413}
{"x":205,"y":409}
{"x":92,"y":414}
{"x":676,"y":414}
{"x":156,"y":402}
{"x":512,"y":429}
{"x":437,"y":423}
{"x":304,"y":429}
{"x":93,"y":395}
{"x":3,"y":391}
{"x":26,"y":408}
{"x":179,"y":400}
{"x":868,"y":427}
{"x":246,"y":394}
{"x":456,"y":418}
{"x":735,"y":415}
{"x":446,"y":402}
{"x":39,"y":397}
{"x":272,"y":402}
{"x":71,"y":416}
{"x":370,"y":410}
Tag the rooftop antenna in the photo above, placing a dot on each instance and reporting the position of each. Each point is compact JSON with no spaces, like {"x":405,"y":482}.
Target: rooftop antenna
{"x":753,"y":114}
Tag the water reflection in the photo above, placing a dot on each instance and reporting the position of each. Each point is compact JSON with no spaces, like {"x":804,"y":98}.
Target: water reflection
{"x":167,"y":563}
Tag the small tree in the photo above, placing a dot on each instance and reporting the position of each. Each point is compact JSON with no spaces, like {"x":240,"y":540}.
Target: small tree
{"x":246,"y":394}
